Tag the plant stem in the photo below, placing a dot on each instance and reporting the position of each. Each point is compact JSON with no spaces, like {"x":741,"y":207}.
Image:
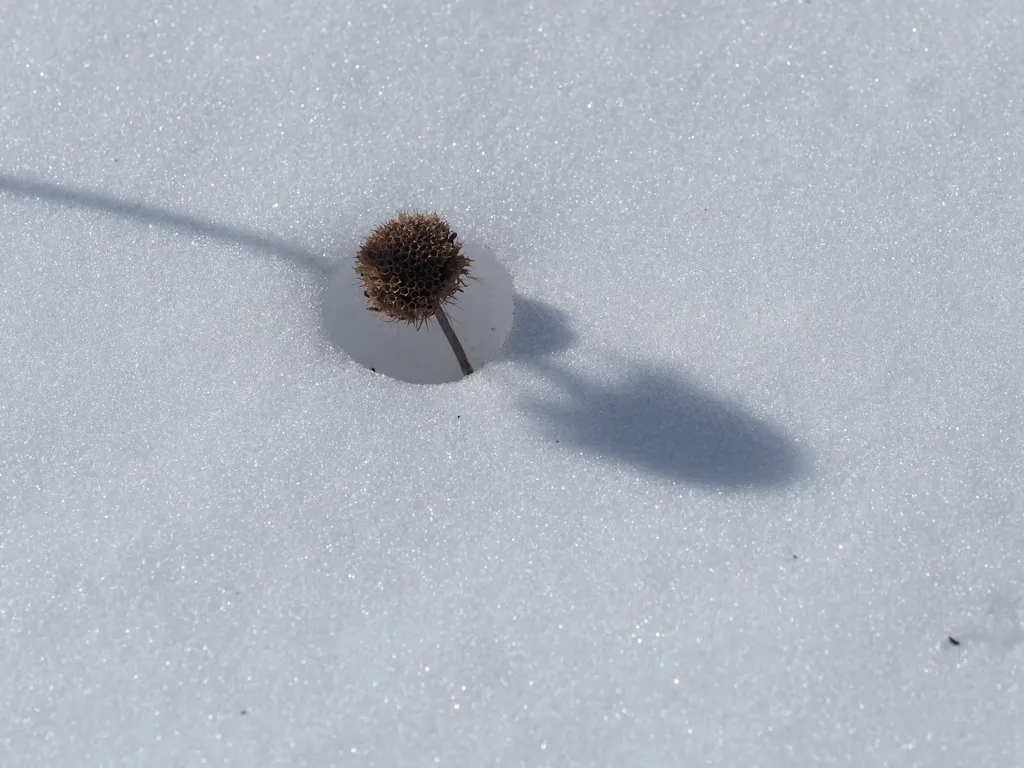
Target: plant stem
{"x":460,"y":353}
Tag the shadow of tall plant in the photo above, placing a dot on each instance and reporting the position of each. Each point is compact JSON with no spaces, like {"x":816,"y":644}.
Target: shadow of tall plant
{"x":126,"y":209}
{"x":651,"y":417}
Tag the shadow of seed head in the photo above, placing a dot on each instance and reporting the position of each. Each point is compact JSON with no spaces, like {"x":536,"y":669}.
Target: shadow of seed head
{"x":410,"y":266}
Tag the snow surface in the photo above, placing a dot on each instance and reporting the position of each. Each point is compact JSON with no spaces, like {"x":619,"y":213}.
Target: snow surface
{"x":752,"y":453}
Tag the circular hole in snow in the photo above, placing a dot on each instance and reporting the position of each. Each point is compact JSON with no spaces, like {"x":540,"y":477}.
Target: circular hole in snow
{"x":481,"y":316}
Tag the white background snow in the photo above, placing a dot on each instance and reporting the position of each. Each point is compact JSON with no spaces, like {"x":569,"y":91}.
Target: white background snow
{"x":753,"y":451}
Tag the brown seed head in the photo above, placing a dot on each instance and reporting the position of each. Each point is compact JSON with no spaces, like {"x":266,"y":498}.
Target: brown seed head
{"x":410,"y":266}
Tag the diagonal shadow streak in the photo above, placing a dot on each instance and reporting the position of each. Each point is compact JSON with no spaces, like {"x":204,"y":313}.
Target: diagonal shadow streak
{"x":77,"y":198}
{"x":652,"y":417}
{"x":658,"y":421}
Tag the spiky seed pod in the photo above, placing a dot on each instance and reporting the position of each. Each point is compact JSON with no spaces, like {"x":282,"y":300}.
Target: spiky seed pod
{"x":410,"y":266}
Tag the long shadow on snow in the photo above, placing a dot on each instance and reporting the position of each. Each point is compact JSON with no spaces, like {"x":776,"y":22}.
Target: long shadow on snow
{"x":651,"y":417}
{"x":76,"y":198}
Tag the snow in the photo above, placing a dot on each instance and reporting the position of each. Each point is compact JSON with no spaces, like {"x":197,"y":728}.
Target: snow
{"x":752,"y":452}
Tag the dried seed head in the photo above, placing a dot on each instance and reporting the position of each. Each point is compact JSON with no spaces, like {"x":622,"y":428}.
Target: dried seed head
{"x":410,"y":266}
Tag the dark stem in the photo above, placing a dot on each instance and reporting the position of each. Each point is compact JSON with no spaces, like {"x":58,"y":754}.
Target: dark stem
{"x":460,"y":353}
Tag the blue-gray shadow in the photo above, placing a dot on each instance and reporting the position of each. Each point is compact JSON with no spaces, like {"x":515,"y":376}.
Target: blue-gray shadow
{"x":651,"y":418}
{"x":79,"y":198}
{"x":538,"y":330}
